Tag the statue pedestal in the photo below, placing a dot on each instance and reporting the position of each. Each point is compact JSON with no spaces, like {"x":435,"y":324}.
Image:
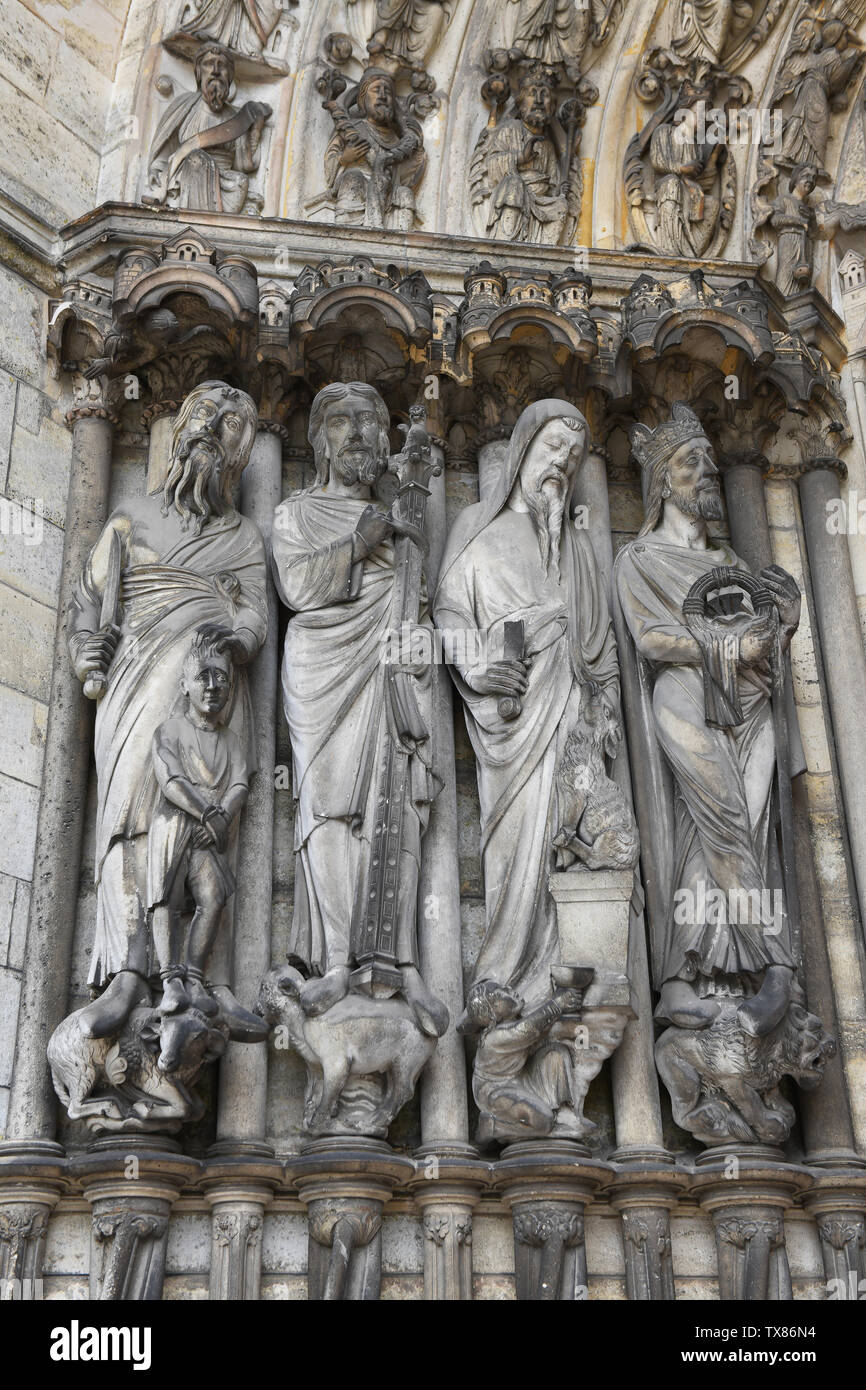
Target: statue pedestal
{"x":592,"y":912}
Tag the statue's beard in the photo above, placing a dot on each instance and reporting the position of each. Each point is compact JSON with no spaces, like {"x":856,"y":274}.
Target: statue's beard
{"x":192,"y":485}
{"x":546,"y":505}
{"x":357,"y":465}
{"x":704,"y":504}
{"x":215,"y":93}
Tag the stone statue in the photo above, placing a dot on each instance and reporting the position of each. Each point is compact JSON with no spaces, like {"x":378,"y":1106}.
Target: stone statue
{"x":522,"y":1080}
{"x":178,"y":567}
{"x":798,"y":223}
{"x":357,"y":1038}
{"x":820,"y":69}
{"x":596,"y":824}
{"x":375,"y":158}
{"x":525,"y":174}
{"x":201,"y":768}
{"x":139,"y":1079}
{"x":552,"y":31}
{"x":242,"y":26}
{"x":407,"y":31}
{"x":521,"y":704}
{"x":205,"y":149}
{"x":680,"y":182}
{"x":723,"y":955}
{"x":351,"y":713}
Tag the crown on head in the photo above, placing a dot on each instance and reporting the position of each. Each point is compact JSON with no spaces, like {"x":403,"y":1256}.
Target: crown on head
{"x":650,"y":446}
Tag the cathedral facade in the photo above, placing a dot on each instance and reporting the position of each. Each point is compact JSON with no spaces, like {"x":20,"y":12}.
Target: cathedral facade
{"x":432,"y":676}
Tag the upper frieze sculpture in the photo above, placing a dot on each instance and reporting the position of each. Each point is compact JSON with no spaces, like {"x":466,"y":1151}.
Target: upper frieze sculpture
{"x":710,"y":639}
{"x":525,"y":176}
{"x":204,"y":149}
{"x":360,"y":718}
{"x":526,"y":180}
{"x":375,"y":158}
{"x":797,"y":223}
{"x":817,"y":78}
{"x":406,"y":32}
{"x":170,"y":609}
{"x":250,"y":30}
{"x":681,"y":183}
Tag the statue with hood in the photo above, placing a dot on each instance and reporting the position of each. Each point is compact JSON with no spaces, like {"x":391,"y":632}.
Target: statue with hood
{"x":519,"y":573}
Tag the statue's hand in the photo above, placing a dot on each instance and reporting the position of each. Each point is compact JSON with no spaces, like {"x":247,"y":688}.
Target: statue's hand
{"x":225,"y":639}
{"x":373,"y":527}
{"x":569,"y":1000}
{"x":97,"y":651}
{"x":500,"y":678}
{"x":756,"y":642}
{"x":217,"y":824}
{"x":786,"y":594}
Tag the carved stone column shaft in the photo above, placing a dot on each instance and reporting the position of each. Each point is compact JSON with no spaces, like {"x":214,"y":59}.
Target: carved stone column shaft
{"x":825,"y":1110}
{"x":60,"y":828}
{"x":844,"y":656}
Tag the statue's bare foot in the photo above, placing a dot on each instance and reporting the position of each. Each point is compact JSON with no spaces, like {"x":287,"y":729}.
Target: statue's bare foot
{"x":682,"y":1006}
{"x":243,"y":1025}
{"x":199,"y":997}
{"x":109,"y":1012}
{"x":320,"y":994}
{"x":759,"y":1016}
{"x":431,"y":1015}
{"x":174,"y":996}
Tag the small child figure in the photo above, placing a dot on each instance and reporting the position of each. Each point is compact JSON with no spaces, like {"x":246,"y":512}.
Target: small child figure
{"x":522,"y":1078}
{"x":202,"y":770}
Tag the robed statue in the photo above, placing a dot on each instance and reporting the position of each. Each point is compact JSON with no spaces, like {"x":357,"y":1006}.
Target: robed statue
{"x":522,"y":577}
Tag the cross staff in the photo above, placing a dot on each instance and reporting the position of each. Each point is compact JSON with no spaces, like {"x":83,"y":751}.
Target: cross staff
{"x":375,"y":926}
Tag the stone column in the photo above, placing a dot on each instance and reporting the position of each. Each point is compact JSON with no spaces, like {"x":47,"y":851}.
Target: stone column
{"x":130,"y":1207}
{"x":546,"y":1184}
{"x":446,"y":1209}
{"x":827,"y":1128}
{"x":159,"y":419}
{"x":237,"y":1227}
{"x":65,"y":769}
{"x":239,"y":1198}
{"x":825,"y":1111}
{"x":637,"y":1108}
{"x":746,"y":1190}
{"x":844,"y":655}
{"x":344,"y":1184}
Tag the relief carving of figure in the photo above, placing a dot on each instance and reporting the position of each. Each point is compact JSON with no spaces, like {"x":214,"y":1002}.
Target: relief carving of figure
{"x":723,"y":953}
{"x":819,"y":72}
{"x":407,"y":31}
{"x":521,"y":1080}
{"x":681,"y":188}
{"x":799,"y":223}
{"x":375,"y":158}
{"x":201,"y":768}
{"x":177,"y":567}
{"x":242,"y":26}
{"x":525,"y":175}
{"x":204,"y":149}
{"x":349,"y":716}
{"x":542,"y":625}
{"x":552,"y":31}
